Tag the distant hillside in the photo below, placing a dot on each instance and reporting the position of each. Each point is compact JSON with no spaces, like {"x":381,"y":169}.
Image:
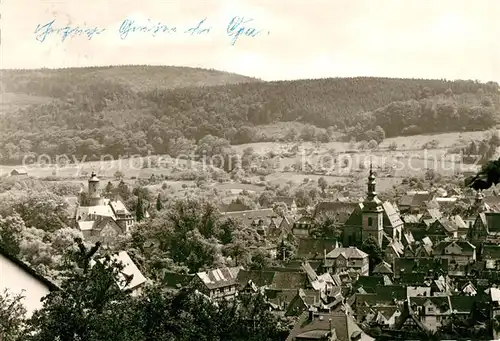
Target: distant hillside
{"x":48,"y":82}
{"x":123,"y":110}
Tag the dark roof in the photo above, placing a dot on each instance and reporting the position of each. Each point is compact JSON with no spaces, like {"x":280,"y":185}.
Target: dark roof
{"x":382,"y":268}
{"x":419,"y":265}
{"x":279,"y":297}
{"x":326,"y":207}
{"x":462,"y":304}
{"x":297,"y":264}
{"x":251,"y":214}
{"x":310,"y":248}
{"x":369,"y":283}
{"x":390,"y":215}
{"x":415,"y":200}
{"x":464,"y":246}
{"x":441,"y":302}
{"x":258,"y":277}
{"x":344,"y":326}
{"x":176,"y":280}
{"x":19,"y":171}
{"x":395,"y":291}
{"x":448,"y":224}
{"x":490,"y":251}
{"x":28,"y":269}
{"x":289,"y":280}
{"x":279,"y":279}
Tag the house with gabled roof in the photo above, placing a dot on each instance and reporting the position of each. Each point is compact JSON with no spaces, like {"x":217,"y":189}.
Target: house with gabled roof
{"x":302,"y":226}
{"x":337,"y":326}
{"x":420,"y":266}
{"x":414,"y":202}
{"x":442,"y":228}
{"x":102,"y":229}
{"x":279,"y":299}
{"x":305,"y":299}
{"x":424,"y":250}
{"x":290,"y":203}
{"x":315,"y":248}
{"x":274,"y":278}
{"x":392,"y":250}
{"x":383,"y":268}
{"x":408,"y":324}
{"x":432,"y":311}
{"x":19,"y":172}
{"x":252,"y":218}
{"x":130,"y":278}
{"x":279,"y":229}
{"x":456,"y":251}
{"x":486,"y":225}
{"x":323,"y":282}
{"x":342,"y":259}
{"x":462,"y":226}
{"x":17,"y":277}
{"x":217,"y":283}
{"x":384,"y":316}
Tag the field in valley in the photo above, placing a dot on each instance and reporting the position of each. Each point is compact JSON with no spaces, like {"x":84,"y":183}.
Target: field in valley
{"x":409,"y":159}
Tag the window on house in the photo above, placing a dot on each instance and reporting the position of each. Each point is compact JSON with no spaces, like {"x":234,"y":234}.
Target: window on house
{"x":370,"y":221}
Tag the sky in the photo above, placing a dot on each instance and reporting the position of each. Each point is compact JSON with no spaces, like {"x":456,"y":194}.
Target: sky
{"x":452,"y":39}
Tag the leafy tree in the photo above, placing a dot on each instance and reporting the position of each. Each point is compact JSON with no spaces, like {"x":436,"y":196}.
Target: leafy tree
{"x":124,"y":190}
{"x":372,"y":144}
{"x":286,"y":250}
{"x":12,"y":317}
{"x":327,"y":226}
{"x":10,"y":233}
{"x":393,"y":146}
{"x":322,"y":184}
{"x":139,"y":210}
{"x":159,"y":204}
{"x":119,"y":175}
{"x":109,"y":187}
{"x":90,"y":305}
{"x":266,"y":198}
{"x":371,"y":247}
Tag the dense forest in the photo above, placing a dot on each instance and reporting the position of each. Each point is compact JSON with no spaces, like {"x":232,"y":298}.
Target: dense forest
{"x":136,"y":110}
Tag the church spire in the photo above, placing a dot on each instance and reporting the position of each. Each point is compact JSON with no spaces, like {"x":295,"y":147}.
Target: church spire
{"x":371,"y":200}
{"x":371,"y":184}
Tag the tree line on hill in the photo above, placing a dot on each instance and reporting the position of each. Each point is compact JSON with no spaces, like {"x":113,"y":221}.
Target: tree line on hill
{"x":95,"y":116}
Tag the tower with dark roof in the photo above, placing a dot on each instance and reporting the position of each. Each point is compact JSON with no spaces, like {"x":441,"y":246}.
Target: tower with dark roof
{"x":372,"y":212}
{"x":94,"y":196}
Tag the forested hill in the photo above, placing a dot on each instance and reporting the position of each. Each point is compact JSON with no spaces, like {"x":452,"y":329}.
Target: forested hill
{"x":54,"y":82}
{"x":120,"y":110}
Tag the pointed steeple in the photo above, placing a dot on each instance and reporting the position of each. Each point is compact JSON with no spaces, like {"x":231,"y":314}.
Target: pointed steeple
{"x":371,"y":183}
{"x":371,"y":201}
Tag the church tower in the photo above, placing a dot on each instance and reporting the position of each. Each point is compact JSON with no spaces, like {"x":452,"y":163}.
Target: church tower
{"x":372,"y":213}
{"x":94,"y":195}
{"x":479,"y":205}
